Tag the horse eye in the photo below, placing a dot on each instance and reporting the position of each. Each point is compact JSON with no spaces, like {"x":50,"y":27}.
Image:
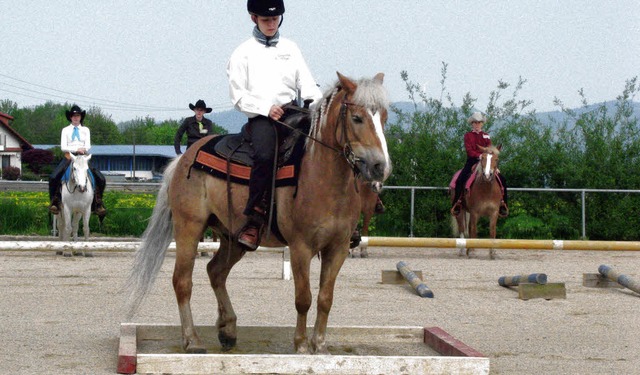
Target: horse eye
{"x":357,"y":119}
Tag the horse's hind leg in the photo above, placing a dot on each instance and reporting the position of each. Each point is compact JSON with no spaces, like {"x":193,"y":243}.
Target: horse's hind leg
{"x":186,"y":251}
{"x":218,"y":270}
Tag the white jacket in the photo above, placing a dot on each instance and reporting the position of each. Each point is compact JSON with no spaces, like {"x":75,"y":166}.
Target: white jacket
{"x":261,"y":76}
{"x":70,"y":144}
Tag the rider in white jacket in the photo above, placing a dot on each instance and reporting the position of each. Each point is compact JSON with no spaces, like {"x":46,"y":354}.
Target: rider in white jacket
{"x":265,"y":73}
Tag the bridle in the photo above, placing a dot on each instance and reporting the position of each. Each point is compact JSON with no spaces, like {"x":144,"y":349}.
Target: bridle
{"x":346,"y":151}
{"x":73,"y":176}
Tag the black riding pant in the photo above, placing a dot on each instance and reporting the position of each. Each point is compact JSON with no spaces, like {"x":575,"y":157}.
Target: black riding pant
{"x":263,"y":134}
{"x":56,"y":176}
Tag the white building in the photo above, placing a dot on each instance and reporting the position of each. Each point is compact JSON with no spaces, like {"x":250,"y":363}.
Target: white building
{"x":11,"y":144}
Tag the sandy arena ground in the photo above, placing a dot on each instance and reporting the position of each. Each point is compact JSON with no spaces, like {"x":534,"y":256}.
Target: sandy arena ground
{"x":62,"y":315}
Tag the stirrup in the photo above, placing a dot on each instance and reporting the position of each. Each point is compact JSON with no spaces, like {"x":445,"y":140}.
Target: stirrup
{"x":249,"y":236}
{"x":379,"y":208}
{"x":455,"y":210}
{"x":54,"y":209}
{"x":100,"y":211}
{"x":503,"y":211}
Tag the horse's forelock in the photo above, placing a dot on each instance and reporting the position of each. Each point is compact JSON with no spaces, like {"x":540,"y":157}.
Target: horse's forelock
{"x":371,"y":94}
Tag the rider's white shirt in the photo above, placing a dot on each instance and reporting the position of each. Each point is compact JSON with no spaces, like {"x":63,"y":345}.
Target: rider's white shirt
{"x":261,"y":76}
{"x":68,"y":144}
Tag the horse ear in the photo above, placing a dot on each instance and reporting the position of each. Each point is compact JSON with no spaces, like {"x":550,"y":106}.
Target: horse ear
{"x":346,"y":83}
{"x":499,"y":147}
{"x":88,"y":157}
{"x":379,"y":77}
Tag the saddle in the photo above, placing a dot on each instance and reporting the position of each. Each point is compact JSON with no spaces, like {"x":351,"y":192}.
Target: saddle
{"x":231,"y":154}
{"x":470,"y":180}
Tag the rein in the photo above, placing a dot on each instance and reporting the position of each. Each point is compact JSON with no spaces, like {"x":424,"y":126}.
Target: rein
{"x":346,"y":151}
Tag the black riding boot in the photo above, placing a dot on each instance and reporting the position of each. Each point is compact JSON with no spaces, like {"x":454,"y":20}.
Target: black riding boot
{"x":55,"y":197}
{"x":98,"y":206}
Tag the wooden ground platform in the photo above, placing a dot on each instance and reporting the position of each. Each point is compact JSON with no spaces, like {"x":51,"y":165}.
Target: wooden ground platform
{"x":155,"y":349}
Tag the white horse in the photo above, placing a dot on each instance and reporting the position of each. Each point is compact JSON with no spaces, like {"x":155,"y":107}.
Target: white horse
{"x":77,"y":196}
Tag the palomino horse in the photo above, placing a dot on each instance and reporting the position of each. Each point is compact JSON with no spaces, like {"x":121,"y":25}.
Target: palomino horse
{"x":316,"y":218}
{"x":482,"y":199}
{"x":77,"y":196}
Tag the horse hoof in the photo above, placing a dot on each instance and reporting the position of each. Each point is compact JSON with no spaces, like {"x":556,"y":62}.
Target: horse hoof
{"x":59,"y":252}
{"x":302,"y":349}
{"x":88,"y":255}
{"x":227,"y":342}
{"x":364,"y":254}
{"x":77,"y":253}
{"x":196,"y":350}
{"x":67,"y":255}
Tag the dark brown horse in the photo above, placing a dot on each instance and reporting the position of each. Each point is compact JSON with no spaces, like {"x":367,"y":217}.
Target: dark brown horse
{"x":316,"y":219}
{"x":482,"y":199}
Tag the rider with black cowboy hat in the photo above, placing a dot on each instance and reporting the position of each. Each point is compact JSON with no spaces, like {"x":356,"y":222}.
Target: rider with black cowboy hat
{"x":76,"y":139}
{"x":196,"y":126}
{"x":472,"y":139}
{"x":265,"y":73}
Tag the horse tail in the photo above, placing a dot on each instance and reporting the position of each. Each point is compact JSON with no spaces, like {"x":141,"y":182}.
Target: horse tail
{"x":155,"y":241}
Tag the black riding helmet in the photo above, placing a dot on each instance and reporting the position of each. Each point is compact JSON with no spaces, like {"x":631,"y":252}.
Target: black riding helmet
{"x":266,"y":8}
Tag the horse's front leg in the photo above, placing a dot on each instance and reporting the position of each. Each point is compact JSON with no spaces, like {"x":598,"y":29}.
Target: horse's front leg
{"x":186,"y":251}
{"x":493,"y":222}
{"x":300,"y":264}
{"x":332,"y":261}
{"x":218,"y":270}
{"x":473,"y":229}
{"x":66,"y":233}
{"x":85,"y":229}
{"x":76,"y":224}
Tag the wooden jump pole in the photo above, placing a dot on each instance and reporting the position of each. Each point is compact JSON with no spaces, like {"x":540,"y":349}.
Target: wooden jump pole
{"x":487,"y":243}
{"x":534,"y":278}
{"x":621,"y":279}
{"x":417,"y":284}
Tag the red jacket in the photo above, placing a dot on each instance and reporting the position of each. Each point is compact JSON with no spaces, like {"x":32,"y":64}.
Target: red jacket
{"x":471,"y":142}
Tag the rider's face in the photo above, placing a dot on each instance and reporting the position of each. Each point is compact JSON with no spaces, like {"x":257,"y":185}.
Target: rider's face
{"x":75,"y":119}
{"x":268,"y":25}
{"x":477,"y":125}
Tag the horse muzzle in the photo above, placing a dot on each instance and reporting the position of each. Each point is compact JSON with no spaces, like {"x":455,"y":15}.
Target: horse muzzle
{"x":374,"y":170}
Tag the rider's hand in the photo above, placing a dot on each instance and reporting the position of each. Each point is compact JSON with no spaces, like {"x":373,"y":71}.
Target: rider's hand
{"x":275,"y":112}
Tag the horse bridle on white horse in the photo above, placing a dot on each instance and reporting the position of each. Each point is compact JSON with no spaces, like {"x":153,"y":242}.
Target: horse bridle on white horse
{"x":75,"y":179}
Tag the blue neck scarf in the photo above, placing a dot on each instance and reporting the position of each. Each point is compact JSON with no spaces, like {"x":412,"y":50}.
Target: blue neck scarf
{"x":263,"y":39}
{"x":75,"y":134}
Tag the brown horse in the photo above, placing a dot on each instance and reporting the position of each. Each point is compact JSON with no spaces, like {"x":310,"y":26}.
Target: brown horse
{"x":482,"y":199}
{"x":316,"y":219}
{"x":368,"y":200}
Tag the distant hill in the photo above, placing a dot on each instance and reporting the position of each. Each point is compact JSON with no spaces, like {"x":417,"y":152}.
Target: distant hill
{"x":233,"y":120}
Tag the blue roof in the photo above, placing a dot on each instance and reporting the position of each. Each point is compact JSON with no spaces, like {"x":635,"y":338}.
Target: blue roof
{"x":141,"y":150}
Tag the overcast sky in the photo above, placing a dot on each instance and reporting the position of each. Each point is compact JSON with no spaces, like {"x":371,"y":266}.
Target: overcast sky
{"x":153,"y":58}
